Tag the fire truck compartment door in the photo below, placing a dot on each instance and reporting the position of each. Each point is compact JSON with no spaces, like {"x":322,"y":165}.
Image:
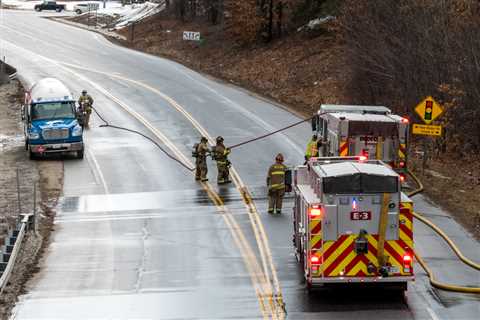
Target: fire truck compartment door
{"x":330,"y":225}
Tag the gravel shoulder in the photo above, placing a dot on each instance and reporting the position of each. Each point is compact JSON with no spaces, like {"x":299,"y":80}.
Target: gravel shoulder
{"x":49,"y":178}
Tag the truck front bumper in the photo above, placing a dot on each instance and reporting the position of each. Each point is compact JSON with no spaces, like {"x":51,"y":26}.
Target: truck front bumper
{"x":56,"y":147}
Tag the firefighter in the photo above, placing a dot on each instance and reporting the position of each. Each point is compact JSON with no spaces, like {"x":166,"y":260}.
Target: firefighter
{"x":221,"y":156}
{"x":86,"y":102}
{"x":200,"y":153}
{"x":276,"y":185}
{"x":312,"y":148}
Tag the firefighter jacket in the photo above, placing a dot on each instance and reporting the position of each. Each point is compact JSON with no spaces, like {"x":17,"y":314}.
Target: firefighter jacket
{"x":202,"y":151}
{"x":276,"y":177}
{"x":312,"y":149}
{"x":87,"y":100}
{"x":221,"y":153}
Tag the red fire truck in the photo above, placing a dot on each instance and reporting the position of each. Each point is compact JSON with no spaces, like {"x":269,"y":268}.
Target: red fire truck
{"x":371,"y":131}
{"x":352,"y":223}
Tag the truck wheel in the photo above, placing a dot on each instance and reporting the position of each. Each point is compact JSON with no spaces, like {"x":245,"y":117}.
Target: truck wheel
{"x":38,"y":9}
{"x":32,"y":155}
{"x":58,"y":9}
{"x":308,"y":286}
{"x":80,"y":154}
{"x":78,"y":11}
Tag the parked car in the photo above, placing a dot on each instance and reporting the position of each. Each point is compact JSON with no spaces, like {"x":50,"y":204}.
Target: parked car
{"x":81,"y":8}
{"x":49,"y":5}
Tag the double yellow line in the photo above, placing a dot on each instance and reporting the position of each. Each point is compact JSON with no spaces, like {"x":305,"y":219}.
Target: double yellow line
{"x":264,"y":279}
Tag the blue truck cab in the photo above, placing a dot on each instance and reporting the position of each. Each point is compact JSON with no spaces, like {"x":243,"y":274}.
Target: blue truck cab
{"x":50,"y":120}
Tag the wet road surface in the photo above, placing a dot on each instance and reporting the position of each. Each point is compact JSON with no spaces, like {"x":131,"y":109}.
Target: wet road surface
{"x":136,"y":238}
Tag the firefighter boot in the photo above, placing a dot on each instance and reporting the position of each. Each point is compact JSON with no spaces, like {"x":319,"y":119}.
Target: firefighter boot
{"x":271,"y":202}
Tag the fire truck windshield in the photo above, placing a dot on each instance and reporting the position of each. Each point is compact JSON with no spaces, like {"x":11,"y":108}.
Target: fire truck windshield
{"x":360,"y":184}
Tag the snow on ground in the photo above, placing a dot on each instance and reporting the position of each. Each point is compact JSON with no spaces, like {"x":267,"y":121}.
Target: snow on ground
{"x":125,"y":14}
{"x":28,"y":5}
{"x":140,"y":12}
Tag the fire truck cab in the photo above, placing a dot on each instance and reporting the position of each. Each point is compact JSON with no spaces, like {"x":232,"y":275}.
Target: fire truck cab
{"x":371,"y":131}
{"x":352,"y":223}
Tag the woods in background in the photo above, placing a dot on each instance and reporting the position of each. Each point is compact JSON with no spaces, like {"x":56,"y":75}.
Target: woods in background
{"x":248,"y":21}
{"x":403,"y":50}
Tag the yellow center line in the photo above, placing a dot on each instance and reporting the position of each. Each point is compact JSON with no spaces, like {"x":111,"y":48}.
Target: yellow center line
{"x":255,"y":220}
{"x":237,"y":234}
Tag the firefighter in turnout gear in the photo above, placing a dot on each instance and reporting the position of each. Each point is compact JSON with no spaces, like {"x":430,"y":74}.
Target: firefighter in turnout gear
{"x":85,"y":103}
{"x":276,"y":185}
{"x":221,"y":156}
{"x":200,"y":153}
{"x":312,"y":148}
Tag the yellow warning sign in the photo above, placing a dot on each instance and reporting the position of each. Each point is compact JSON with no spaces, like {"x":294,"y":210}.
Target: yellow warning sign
{"x":428,"y":110}
{"x":427,"y":130}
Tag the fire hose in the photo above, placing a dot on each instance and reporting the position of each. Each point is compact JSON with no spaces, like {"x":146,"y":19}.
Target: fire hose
{"x":433,"y":281}
{"x":420,"y":188}
{"x":107,"y":124}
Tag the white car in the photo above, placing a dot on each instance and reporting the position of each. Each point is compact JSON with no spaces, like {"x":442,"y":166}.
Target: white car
{"x":85,"y":7}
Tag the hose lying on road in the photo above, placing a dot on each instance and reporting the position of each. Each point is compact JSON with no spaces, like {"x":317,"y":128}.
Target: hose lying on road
{"x":107,"y":124}
{"x":433,"y":281}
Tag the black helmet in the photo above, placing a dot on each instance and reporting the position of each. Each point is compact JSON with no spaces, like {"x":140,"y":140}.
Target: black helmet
{"x":314,"y":137}
{"x":84,"y":91}
{"x":219,"y":139}
{"x":204,"y":139}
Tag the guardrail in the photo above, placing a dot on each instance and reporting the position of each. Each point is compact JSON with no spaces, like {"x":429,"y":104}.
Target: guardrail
{"x":9,"y":70}
{"x":15,"y":240}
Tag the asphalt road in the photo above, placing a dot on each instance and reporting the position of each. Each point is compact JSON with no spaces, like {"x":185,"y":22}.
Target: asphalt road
{"x":136,"y":238}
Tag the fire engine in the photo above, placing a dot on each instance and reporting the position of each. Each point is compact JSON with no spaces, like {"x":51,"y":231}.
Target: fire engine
{"x":352,"y":223}
{"x":371,"y":131}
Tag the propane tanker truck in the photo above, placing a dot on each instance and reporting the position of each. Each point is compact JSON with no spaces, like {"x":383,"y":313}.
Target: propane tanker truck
{"x":352,"y":223}
{"x":50,"y":120}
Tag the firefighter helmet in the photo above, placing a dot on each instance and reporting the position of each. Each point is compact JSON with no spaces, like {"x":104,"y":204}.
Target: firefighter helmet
{"x":219,"y":139}
{"x":314,"y":137}
{"x":84,"y":92}
{"x":204,"y":139}
{"x":279,"y":157}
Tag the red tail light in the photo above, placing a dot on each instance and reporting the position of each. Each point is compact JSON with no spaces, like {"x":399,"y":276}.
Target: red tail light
{"x":314,"y":260}
{"x":401,"y":164}
{"x":315,"y":212}
{"x":407,"y":263}
{"x":362,"y":158}
{"x":405,"y":120}
{"x":402,"y":178}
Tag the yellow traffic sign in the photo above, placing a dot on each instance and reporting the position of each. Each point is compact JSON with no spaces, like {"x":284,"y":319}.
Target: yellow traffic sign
{"x":428,"y":110}
{"x":427,"y":130}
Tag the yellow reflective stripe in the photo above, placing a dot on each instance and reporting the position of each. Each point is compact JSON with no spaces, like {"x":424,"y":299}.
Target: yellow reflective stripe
{"x":278,"y":173}
{"x":274,"y":186}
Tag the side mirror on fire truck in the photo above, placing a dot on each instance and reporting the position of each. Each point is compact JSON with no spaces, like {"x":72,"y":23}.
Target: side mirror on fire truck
{"x":315,"y":120}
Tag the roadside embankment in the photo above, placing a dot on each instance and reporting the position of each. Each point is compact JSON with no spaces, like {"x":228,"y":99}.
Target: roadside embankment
{"x":48,"y":175}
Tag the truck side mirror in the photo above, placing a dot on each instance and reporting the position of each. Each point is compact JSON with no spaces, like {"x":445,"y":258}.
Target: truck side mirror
{"x":315,"y":123}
